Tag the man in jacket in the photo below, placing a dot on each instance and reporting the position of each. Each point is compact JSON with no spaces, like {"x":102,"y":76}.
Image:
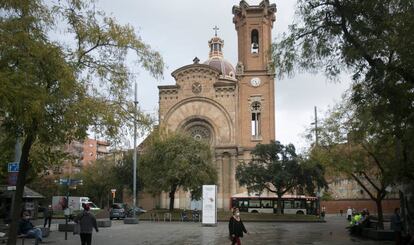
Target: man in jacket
{"x":87,"y":222}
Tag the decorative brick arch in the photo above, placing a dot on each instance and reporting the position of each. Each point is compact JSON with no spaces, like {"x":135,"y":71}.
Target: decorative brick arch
{"x":202,"y":110}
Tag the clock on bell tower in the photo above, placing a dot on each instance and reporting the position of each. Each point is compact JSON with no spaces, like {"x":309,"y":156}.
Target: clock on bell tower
{"x":254,"y":72}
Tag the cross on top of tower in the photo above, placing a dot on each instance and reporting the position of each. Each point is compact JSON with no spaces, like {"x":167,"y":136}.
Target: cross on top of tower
{"x":215,"y":30}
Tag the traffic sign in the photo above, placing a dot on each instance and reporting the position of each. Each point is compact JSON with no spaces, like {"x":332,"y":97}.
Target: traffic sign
{"x":70,"y":181}
{"x":12,"y":178}
{"x":63,"y":181}
{"x":13,"y":167}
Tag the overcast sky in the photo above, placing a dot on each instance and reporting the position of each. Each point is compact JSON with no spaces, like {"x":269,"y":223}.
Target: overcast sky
{"x":180,"y":30}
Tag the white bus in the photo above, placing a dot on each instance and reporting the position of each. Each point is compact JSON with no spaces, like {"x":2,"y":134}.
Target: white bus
{"x":291,"y":204}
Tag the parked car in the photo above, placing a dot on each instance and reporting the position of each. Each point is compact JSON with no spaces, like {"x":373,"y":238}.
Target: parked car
{"x":138,"y":211}
{"x":117,"y":211}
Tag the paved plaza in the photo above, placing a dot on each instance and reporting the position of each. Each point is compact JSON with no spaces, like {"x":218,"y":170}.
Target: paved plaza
{"x":146,"y":232}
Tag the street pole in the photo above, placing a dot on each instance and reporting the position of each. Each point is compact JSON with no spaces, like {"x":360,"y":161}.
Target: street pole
{"x":17,"y":155}
{"x":134,"y":219}
{"x":316,"y":127}
{"x":135,"y":150}
{"x":316,"y":145}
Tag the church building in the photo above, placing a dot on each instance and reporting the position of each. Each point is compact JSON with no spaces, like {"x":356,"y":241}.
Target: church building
{"x":230,"y":106}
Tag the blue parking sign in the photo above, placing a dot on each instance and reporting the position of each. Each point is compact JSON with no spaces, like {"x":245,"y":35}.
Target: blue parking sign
{"x":13,"y":167}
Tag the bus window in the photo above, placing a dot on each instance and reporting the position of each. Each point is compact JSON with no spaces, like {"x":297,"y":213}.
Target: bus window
{"x":234,"y":203}
{"x":288,"y":204}
{"x":243,"y":203}
{"x":254,"y":204}
{"x":298,"y":204}
{"x":267,"y":203}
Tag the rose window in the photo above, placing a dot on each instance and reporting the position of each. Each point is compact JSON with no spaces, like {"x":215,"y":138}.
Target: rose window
{"x":199,"y":132}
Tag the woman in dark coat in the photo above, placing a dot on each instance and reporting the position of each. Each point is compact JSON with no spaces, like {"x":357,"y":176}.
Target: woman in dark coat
{"x":236,"y":227}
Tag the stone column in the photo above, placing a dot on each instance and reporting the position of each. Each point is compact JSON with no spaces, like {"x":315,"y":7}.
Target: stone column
{"x":219,"y":168}
{"x":233,"y":163}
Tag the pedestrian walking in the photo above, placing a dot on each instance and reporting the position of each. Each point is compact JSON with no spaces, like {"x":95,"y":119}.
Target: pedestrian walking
{"x":47,"y":215}
{"x":323,"y":212}
{"x":236,"y":227}
{"x":396,"y":225}
{"x":87,"y":222}
{"x":349,"y":213}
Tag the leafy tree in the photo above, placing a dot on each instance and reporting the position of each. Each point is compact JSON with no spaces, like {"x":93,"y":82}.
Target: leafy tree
{"x":98,"y":180}
{"x":174,"y":161}
{"x":372,"y":39}
{"x":276,"y":168}
{"x":123,"y":171}
{"x":365,"y":36}
{"x":6,"y":147}
{"x":46,"y":186}
{"x":350,"y":146}
{"x":51,"y":92}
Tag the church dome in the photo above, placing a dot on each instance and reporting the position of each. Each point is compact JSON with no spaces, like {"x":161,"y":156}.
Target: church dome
{"x":223,"y":65}
{"x":216,"y":59}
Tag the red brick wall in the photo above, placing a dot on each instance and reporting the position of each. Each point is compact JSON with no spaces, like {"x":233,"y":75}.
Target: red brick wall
{"x":333,"y":207}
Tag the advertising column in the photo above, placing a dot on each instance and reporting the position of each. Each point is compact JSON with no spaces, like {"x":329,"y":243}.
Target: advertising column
{"x":209,"y":205}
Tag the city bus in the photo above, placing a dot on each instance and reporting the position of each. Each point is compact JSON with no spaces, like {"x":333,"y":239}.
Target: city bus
{"x":291,"y":204}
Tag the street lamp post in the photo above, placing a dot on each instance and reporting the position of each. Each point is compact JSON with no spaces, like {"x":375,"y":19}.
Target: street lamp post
{"x":316,"y":145}
{"x":134,"y":219}
{"x":135,"y":151}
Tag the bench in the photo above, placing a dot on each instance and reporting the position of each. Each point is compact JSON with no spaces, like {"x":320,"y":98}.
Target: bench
{"x":104,"y":223}
{"x":373,"y":224}
{"x":167,"y":216}
{"x":154,"y":216}
{"x":45,"y":233}
{"x":66,"y":227}
{"x":379,"y":235}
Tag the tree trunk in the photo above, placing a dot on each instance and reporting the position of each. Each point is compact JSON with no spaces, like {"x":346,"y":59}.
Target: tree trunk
{"x":407,"y":206}
{"x":279,"y":204}
{"x":380,"y":214}
{"x":21,"y":180}
{"x":172,"y":195}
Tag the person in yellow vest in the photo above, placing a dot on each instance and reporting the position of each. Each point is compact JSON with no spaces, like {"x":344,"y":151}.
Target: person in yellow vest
{"x":356,"y":219}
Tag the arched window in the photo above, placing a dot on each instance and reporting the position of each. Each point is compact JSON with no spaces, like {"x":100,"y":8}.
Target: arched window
{"x":255,"y":41}
{"x":256,"y":108}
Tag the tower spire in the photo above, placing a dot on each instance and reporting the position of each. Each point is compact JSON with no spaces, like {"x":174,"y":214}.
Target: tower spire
{"x":216,"y":45}
{"x":215,"y":30}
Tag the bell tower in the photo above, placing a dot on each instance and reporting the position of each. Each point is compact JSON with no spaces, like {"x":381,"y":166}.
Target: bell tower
{"x":255,"y":73}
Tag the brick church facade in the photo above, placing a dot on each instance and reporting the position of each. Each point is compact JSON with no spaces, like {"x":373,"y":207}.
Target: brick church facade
{"x":231,"y":107}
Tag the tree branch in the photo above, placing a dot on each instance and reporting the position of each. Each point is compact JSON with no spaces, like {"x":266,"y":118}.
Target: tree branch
{"x":269,"y":189}
{"x":376,"y":160}
{"x":362,"y":185}
{"x":373,"y":62}
{"x":310,"y":32}
{"x":371,"y":182}
{"x":89,"y":50}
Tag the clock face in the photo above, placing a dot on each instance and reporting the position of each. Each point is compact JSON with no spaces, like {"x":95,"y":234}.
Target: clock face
{"x":255,"y":82}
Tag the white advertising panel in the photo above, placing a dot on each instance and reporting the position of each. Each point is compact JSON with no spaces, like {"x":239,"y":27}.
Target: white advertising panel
{"x":209,"y":205}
